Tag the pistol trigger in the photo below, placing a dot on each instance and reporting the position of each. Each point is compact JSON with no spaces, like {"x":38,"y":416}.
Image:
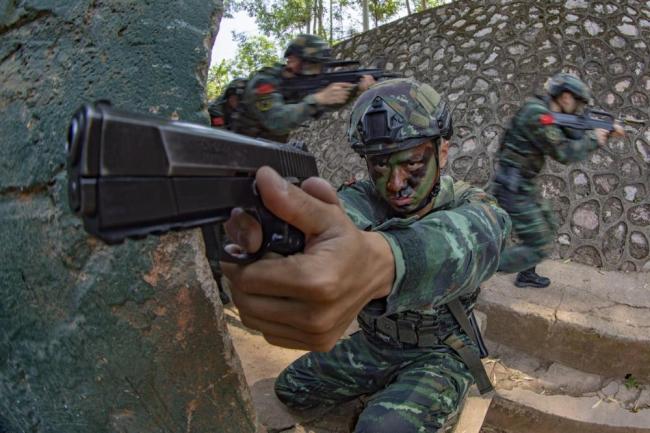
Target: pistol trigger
{"x":277,"y":235}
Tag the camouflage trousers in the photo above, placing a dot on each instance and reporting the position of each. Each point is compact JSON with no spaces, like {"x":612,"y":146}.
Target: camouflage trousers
{"x":532,"y":221}
{"x":411,"y":389}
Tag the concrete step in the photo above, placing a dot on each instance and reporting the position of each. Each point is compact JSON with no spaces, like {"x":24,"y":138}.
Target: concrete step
{"x":537,"y":396}
{"x":591,"y":320}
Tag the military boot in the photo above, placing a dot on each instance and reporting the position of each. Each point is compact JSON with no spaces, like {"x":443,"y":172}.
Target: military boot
{"x":529,"y":278}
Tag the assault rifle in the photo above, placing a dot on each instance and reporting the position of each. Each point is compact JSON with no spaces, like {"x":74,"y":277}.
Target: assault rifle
{"x":299,"y":86}
{"x":131,"y":175}
{"x":592,"y":119}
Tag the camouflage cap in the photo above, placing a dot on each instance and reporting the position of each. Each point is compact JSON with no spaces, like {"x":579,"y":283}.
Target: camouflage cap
{"x":309,"y":48}
{"x":566,"y":82}
{"x":395,"y":115}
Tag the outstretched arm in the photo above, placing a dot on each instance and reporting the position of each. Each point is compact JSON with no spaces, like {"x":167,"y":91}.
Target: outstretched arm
{"x":445,"y":254}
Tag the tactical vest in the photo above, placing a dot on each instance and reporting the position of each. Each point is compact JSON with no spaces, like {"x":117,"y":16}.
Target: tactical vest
{"x":515,"y":147}
{"x":413,"y":329}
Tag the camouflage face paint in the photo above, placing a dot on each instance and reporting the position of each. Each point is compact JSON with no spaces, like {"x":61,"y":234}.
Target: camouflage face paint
{"x":405,"y":179}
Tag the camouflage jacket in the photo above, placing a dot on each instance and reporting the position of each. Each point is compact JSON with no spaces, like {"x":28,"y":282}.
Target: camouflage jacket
{"x":220,"y":113}
{"x":266,"y":113}
{"x":442,"y":255}
{"x":531,"y":135}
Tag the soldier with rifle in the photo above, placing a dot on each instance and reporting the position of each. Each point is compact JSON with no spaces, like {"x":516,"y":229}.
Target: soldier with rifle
{"x":558,"y":125}
{"x":268,"y":111}
{"x":221,"y":110}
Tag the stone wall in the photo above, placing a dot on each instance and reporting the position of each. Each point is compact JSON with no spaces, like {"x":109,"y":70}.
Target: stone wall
{"x":95,"y":338}
{"x":487,"y":57}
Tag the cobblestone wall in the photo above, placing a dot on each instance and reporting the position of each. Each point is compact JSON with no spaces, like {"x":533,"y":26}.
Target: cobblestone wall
{"x":487,"y":57}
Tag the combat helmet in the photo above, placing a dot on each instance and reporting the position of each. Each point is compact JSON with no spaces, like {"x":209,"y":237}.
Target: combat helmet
{"x":309,"y":48}
{"x":397,"y":114}
{"x":236,"y":87}
{"x":566,"y":82}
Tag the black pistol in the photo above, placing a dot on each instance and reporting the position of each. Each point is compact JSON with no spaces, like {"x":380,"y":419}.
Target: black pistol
{"x":132,"y":175}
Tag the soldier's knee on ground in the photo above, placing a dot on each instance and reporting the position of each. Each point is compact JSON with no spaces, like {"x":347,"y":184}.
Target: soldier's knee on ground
{"x":295,"y":395}
{"x":376,"y":419}
{"x":380,"y":420}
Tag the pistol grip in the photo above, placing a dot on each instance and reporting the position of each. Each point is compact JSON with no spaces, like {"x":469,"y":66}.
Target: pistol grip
{"x":277,"y":236}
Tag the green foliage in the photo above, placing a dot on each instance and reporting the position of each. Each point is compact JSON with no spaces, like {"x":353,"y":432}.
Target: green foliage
{"x":631,"y":382}
{"x":218,"y":78}
{"x":382,"y":10}
{"x":253,"y":53}
{"x":279,"y":19}
{"x":282,"y":20}
{"x":427,"y":4}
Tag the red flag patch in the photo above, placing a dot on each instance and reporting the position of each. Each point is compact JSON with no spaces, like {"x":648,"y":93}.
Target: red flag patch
{"x":217,"y":121}
{"x":546,"y":119}
{"x":265,"y":89}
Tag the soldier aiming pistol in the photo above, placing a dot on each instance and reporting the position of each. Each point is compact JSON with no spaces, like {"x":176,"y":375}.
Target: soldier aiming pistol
{"x":131,"y":175}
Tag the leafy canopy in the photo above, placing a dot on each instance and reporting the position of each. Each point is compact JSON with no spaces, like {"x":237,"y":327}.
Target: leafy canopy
{"x":253,"y":53}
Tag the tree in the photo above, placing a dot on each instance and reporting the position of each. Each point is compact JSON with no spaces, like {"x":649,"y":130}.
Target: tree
{"x":218,"y":78}
{"x":427,"y":4}
{"x":280,"y":19}
{"x":366,"y":14}
{"x":283,"y":19}
{"x":382,"y":10}
{"x":253,"y":53}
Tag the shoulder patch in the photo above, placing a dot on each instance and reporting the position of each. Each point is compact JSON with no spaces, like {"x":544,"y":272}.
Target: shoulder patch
{"x":217,"y":121}
{"x":264,"y":89}
{"x":546,"y":119}
{"x":264,"y":104}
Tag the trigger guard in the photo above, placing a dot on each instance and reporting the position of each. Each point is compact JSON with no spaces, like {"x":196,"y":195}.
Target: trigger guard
{"x":242,"y":259}
{"x":277,"y":236}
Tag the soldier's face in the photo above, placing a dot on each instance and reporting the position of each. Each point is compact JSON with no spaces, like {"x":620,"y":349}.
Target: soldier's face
{"x":405,"y":179}
{"x":294,"y":64}
{"x":570,"y":104}
{"x":233,"y":101}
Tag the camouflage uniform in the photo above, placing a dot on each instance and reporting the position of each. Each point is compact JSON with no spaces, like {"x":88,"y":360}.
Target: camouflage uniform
{"x":406,"y":356}
{"x":530,"y":136}
{"x":266,"y":113}
{"x":221,"y":113}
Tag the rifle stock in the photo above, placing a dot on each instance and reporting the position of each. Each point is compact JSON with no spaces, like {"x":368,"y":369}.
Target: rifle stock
{"x":131,"y":175}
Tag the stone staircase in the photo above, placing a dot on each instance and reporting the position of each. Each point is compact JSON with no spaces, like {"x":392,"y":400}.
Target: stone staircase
{"x":574,"y":357}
